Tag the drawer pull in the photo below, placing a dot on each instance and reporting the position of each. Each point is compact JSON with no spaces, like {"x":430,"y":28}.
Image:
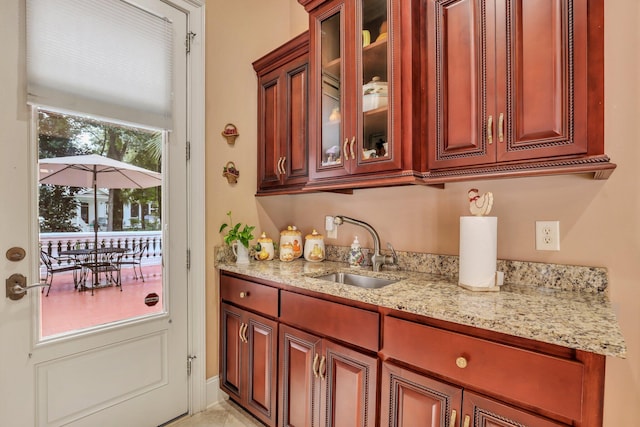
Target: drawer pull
{"x":452,"y":421}
{"x":315,"y":365}
{"x":323,"y":368}
{"x":467,"y":419}
{"x":461,"y":362}
{"x":244,"y":294}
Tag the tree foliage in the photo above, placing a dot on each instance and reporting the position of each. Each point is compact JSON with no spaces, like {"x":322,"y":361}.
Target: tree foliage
{"x":68,"y":135}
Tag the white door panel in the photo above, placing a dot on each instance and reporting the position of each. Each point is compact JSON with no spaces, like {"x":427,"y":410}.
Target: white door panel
{"x":128,"y":374}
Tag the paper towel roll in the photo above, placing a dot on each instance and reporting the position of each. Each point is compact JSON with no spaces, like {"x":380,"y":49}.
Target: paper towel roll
{"x":478,"y":251}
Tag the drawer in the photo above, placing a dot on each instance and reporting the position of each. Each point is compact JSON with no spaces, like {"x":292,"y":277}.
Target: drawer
{"x":535,"y":379}
{"x":250,"y":295}
{"x":342,"y":322}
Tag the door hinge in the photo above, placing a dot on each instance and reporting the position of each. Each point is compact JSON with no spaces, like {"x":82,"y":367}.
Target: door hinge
{"x":188,"y":150}
{"x":188,"y":40}
{"x":190,"y":360}
{"x":188,"y":259}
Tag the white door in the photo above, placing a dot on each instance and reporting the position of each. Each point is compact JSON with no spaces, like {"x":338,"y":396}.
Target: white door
{"x":128,"y":374}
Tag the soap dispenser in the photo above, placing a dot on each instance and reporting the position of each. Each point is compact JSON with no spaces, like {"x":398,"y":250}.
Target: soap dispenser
{"x":356,"y":257}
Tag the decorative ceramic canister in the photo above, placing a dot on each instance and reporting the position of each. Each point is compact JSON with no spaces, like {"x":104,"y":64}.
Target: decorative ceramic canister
{"x":266,"y":251}
{"x":293,"y":236}
{"x":314,"y":247}
{"x":286,"y":252}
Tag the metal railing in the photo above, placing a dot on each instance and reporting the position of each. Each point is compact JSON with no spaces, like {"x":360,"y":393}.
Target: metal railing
{"x":54,"y":243}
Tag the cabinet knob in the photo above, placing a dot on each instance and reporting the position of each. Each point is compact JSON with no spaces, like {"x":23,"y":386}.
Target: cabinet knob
{"x":244,"y":294}
{"x":461,"y":362}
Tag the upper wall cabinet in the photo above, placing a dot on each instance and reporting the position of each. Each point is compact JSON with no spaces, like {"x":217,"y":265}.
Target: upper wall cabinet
{"x":514,"y":88}
{"x":363,"y":82}
{"x":283,"y":137}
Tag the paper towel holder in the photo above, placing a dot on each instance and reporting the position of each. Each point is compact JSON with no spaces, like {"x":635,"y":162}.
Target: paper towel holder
{"x":499,"y":281}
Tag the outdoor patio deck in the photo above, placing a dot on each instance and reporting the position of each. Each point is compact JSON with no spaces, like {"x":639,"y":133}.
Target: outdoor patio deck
{"x":67,"y":309}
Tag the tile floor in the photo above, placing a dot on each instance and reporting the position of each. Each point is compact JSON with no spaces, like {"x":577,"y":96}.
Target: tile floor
{"x":222,"y":414}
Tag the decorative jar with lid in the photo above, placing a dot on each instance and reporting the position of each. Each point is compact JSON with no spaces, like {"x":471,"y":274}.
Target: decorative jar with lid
{"x":265,"y":250}
{"x":314,"y":247}
{"x":292,"y":236}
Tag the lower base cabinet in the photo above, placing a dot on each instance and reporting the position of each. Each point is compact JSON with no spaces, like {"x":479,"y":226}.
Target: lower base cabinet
{"x":412,"y":399}
{"x":323,"y":383}
{"x":249,"y":361}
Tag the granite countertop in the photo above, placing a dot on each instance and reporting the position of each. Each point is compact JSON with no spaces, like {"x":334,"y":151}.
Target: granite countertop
{"x":577,"y":320}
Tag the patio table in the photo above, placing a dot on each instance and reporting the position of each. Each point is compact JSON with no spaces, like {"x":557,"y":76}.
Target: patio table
{"x":100,"y":260}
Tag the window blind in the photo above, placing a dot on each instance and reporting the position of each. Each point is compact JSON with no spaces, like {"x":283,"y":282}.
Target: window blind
{"x":104,"y":58}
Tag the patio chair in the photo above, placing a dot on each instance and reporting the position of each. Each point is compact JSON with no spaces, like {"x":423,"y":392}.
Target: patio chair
{"x":58,"y":265}
{"x":134,"y":258}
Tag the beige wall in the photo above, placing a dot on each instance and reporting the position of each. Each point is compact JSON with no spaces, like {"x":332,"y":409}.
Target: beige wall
{"x":599,"y":220}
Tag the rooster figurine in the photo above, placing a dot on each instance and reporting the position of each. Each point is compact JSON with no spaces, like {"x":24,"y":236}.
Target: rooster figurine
{"x":480,"y":205}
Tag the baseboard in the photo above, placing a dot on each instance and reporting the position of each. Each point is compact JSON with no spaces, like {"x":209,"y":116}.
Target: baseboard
{"x":214,"y":394}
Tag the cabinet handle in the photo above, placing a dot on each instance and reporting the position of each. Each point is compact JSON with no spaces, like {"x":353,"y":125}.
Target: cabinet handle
{"x":353,"y":154}
{"x":490,"y":130}
{"x":501,"y":127}
{"x":322,"y":368}
{"x":461,"y":362}
{"x":282,"y":169}
{"x":452,"y":421}
{"x":467,"y":420}
{"x":244,"y":294}
{"x":315,"y":365}
{"x":344,"y":149}
{"x":244,"y":333}
{"x":240,"y":332}
{"x":278,"y":170}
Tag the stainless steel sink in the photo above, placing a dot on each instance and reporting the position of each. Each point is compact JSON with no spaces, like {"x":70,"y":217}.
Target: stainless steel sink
{"x":357,"y":280}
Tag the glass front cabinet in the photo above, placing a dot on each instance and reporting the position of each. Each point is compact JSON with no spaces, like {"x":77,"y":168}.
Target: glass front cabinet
{"x":356,"y":123}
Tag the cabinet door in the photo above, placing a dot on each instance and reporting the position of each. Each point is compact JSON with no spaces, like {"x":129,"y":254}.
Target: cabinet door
{"x":541,"y":60}
{"x":349,"y":379}
{"x":410,"y":399}
{"x":269,"y":129}
{"x":231,"y":323}
{"x":329,"y":105}
{"x":295,"y":141}
{"x":460,"y":80}
{"x":482,"y":412}
{"x":283,"y":78}
{"x":299,"y":379}
{"x":261,"y":367}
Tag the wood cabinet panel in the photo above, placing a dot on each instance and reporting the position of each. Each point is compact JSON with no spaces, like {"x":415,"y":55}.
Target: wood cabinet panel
{"x":348,"y":324}
{"x":283,"y":102}
{"x":351,"y":387}
{"x":250,"y":295}
{"x":534,"y":379}
{"x":484,"y":412}
{"x":410,"y":399}
{"x":248,"y":361}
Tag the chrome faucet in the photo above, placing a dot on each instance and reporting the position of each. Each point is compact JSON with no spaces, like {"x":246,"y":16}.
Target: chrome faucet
{"x":377,"y":259}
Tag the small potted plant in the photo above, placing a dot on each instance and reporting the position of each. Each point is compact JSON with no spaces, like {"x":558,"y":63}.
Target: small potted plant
{"x":239,"y":238}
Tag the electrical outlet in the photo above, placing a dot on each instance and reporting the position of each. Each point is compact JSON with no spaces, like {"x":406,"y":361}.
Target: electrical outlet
{"x":548,"y":235}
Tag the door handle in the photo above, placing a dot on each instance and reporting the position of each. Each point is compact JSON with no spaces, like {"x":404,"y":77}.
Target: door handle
{"x":353,"y":154}
{"x":501,"y":127}
{"x":315,"y":365}
{"x":322,"y":370}
{"x":16,"y":286}
{"x":490,"y":130}
{"x":344,"y":149}
{"x":452,"y":421}
{"x":244,"y":333}
{"x":467,"y":420}
{"x":240,"y":332}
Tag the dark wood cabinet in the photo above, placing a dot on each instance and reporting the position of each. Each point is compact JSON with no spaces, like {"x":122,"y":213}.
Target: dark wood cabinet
{"x":514,"y":87}
{"x":322,"y":362}
{"x":283,"y":100}
{"x":364,"y":76}
{"x":409,"y":398}
{"x":248,"y":348}
{"x":323,"y":383}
